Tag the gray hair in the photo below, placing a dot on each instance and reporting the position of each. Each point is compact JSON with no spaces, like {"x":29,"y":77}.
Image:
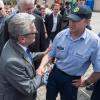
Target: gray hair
{"x":1,"y":3}
{"x":20,"y":25}
{"x":21,"y":2}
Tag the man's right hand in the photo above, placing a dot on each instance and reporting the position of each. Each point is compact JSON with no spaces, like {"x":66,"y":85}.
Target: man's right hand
{"x":40,"y":71}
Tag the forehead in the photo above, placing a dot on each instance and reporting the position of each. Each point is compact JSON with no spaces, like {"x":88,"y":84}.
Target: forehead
{"x":27,"y":5}
{"x":56,"y":7}
{"x":81,"y":21}
{"x":42,"y":8}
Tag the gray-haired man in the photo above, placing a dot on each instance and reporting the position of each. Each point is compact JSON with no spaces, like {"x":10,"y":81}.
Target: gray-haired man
{"x":40,"y":44}
{"x":28,"y":7}
{"x":18,"y":79}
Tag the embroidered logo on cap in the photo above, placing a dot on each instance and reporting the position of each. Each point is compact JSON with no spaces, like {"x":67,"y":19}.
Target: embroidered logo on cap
{"x":76,"y":9}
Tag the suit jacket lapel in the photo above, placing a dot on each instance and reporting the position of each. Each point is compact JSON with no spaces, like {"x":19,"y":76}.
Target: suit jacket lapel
{"x":58,"y":19}
{"x":20,"y":51}
{"x":27,"y":58}
{"x":29,"y":61}
{"x":51,"y":20}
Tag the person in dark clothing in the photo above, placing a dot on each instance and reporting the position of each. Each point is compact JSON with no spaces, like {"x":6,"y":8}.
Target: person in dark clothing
{"x":53,"y":22}
{"x":96,"y":91}
{"x":27,"y":6}
{"x":3,"y":17}
{"x":65,"y":11}
{"x":37,"y":10}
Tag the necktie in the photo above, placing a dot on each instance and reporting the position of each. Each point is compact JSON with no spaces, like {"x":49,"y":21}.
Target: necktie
{"x":29,"y":54}
{"x":31,"y":59}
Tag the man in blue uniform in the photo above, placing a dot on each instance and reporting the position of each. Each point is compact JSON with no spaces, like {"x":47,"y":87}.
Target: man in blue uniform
{"x":74,"y":49}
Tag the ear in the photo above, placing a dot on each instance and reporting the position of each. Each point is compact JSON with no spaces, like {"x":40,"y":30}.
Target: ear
{"x":86,"y":21}
{"x":89,"y":21}
{"x":21,"y":39}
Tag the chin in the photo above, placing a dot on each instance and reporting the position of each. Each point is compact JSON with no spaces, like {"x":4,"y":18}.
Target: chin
{"x":33,"y":40}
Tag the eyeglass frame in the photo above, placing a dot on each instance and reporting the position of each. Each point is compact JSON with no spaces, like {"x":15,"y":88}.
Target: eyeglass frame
{"x":1,"y":8}
{"x":30,"y":34}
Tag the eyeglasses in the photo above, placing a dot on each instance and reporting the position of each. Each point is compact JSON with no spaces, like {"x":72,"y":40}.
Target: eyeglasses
{"x":30,"y":34}
{"x":0,"y":8}
{"x":33,"y":33}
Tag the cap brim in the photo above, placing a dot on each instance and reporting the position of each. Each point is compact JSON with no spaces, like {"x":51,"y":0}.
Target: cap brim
{"x":74,"y":17}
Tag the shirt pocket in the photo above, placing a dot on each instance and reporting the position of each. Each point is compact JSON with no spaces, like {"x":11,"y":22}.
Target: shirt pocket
{"x":60,"y":54}
{"x":81,"y":58}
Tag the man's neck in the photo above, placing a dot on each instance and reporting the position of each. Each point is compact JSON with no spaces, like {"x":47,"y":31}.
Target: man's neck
{"x":22,"y":46}
{"x":77,"y":35}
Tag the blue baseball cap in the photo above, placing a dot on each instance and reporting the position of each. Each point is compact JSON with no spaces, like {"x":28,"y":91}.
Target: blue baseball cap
{"x":79,"y":13}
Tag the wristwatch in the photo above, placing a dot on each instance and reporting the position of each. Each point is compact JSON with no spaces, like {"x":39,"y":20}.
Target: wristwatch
{"x":87,"y":82}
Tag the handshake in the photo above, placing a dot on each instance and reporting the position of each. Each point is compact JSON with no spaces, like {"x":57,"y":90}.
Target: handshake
{"x":45,"y":73}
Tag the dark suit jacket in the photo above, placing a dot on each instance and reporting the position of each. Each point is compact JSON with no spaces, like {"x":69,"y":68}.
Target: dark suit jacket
{"x":49,"y":23}
{"x":2,"y":31}
{"x":40,"y":44}
{"x":18,"y":80}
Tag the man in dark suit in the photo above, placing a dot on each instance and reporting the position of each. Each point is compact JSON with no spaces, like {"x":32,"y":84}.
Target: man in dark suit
{"x":18,"y":78}
{"x":53,"y":22}
{"x":3,"y":17}
{"x":41,"y":43}
{"x":28,"y":7}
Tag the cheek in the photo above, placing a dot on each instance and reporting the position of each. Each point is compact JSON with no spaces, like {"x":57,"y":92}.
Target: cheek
{"x":32,"y":37}
{"x":82,"y":25}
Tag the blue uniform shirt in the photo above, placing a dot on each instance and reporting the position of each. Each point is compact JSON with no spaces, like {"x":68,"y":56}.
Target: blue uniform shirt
{"x":74,"y":56}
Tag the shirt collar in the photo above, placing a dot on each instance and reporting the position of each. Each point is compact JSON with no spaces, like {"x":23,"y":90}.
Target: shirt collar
{"x":83,"y":36}
{"x":23,"y":47}
{"x":55,"y":15}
